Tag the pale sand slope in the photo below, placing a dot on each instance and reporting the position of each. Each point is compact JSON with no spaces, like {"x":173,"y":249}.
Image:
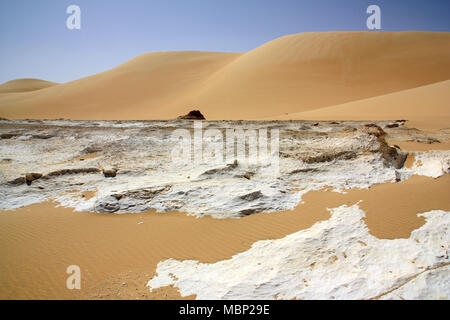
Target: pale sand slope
{"x":25,"y":85}
{"x":426,"y":107}
{"x":144,"y":87}
{"x":291,"y":74}
{"x":314,"y":70}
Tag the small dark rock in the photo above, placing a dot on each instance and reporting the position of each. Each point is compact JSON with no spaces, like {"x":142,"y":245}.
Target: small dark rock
{"x":193,"y":115}
{"x":247,"y":212}
{"x":109,"y":207}
{"x":117,"y":196}
{"x":392,"y":125}
{"x":30,"y":177}
{"x":248,"y":175}
{"x":7,"y":135}
{"x":252,"y":196}
{"x":109,"y":173}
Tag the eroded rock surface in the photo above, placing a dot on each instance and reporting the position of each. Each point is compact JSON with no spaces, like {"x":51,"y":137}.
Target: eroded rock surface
{"x":129,"y":164}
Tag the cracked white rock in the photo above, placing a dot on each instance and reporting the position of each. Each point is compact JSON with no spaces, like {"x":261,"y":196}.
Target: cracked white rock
{"x":334,"y":259}
{"x":311,"y":158}
{"x":433,"y":163}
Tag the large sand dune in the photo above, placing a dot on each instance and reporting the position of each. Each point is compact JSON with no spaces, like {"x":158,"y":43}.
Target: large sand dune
{"x":291,"y":74}
{"x":313,"y":70}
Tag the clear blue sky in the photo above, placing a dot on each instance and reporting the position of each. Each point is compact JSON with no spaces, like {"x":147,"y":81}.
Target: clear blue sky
{"x":35,"y":43}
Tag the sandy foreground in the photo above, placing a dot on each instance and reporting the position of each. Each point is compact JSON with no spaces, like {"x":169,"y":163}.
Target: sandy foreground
{"x":119,"y":253}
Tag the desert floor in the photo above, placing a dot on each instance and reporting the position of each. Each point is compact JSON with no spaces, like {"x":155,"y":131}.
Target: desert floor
{"x":207,"y":213}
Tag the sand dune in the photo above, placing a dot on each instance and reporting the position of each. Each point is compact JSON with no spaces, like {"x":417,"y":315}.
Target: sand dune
{"x":426,"y":107}
{"x":25,"y":85}
{"x":314,"y":70}
{"x":294,"y":73}
{"x":145,"y":87}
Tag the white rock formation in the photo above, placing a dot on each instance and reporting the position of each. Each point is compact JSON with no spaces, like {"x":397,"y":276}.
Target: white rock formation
{"x":311,"y":158}
{"x":334,"y":259}
{"x":433,"y":163}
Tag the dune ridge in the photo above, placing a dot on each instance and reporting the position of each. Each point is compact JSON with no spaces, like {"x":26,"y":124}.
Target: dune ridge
{"x":25,"y":85}
{"x":291,"y":74}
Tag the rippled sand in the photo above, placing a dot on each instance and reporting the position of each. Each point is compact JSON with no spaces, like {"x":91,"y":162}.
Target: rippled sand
{"x":118,"y":254}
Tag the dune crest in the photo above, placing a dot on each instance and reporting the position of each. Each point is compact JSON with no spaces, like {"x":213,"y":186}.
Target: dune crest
{"x":25,"y":85}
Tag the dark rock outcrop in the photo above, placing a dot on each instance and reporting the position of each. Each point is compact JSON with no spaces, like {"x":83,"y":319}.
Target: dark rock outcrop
{"x":30,"y":177}
{"x":393,"y":157}
{"x":8,"y":135}
{"x":193,"y":115}
{"x":392,"y":125}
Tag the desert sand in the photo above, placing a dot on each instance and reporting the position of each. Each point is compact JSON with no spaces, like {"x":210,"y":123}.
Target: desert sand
{"x":425,"y":107}
{"x":291,"y":74}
